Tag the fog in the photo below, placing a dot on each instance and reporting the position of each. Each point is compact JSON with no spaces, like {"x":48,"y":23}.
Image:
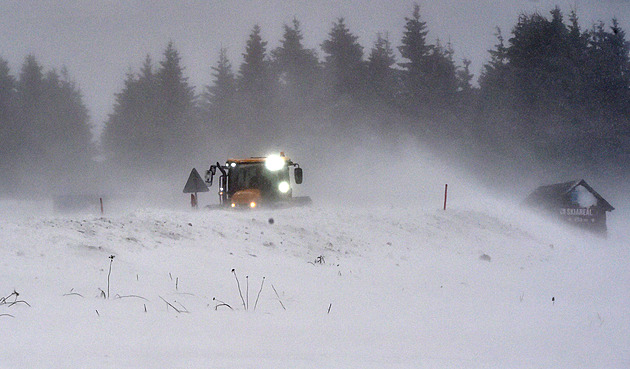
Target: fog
{"x":354,"y":154}
{"x":378,"y":176}
{"x":387,"y":266}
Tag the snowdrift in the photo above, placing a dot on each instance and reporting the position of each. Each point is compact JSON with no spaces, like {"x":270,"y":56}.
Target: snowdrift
{"x":371,"y":287}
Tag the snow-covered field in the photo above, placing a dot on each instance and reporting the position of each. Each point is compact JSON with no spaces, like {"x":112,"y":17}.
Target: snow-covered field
{"x":357,"y":287}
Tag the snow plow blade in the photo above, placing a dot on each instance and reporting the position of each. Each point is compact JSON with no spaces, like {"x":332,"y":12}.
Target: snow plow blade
{"x":302,"y":200}
{"x":291,"y":203}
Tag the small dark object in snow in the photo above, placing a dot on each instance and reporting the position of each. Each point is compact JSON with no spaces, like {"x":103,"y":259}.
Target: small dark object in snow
{"x":553,"y":300}
{"x":485,"y":257}
{"x":271,"y":221}
{"x":190,"y":224}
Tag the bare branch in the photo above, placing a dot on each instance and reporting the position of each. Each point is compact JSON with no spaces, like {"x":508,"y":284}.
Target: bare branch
{"x":217,"y":306}
{"x":19,"y":301}
{"x":126,"y":296}
{"x":239,"y":289}
{"x":259,"y":291}
{"x":73,"y":294}
{"x":274,"y":290}
{"x":171,"y":305}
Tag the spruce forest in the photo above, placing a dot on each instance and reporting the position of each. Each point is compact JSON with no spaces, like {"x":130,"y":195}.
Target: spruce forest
{"x":553,"y":96}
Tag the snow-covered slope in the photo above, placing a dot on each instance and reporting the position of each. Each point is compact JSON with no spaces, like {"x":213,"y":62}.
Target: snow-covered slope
{"x":478,"y":287}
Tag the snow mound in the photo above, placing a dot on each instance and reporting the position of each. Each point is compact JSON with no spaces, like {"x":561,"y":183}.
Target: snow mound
{"x":318,"y":287}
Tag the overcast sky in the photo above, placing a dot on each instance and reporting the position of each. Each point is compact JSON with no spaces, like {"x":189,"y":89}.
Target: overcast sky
{"x":100,"y":41}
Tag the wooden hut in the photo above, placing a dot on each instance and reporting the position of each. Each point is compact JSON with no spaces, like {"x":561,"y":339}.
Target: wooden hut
{"x":574,"y":202}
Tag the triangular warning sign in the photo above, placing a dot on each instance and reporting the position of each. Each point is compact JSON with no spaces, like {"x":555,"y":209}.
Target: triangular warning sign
{"x":195,"y":183}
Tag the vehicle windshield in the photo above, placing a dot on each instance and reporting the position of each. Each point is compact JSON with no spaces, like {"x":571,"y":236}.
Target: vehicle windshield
{"x":256,"y":176}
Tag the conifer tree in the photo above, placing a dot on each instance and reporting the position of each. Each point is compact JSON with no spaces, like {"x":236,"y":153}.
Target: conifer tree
{"x":219,"y":100}
{"x":124,"y":125}
{"x":344,"y":66}
{"x":429,"y":75}
{"x":177,"y":119}
{"x":415,"y":49}
{"x":464,"y":78}
{"x":440,"y":76}
{"x":7,"y":90}
{"x":577,"y":46}
{"x":146,"y":98}
{"x":155,"y":121}
{"x":148,"y":80}
{"x":219,"y":95}
{"x":8,"y":130}
{"x":30,"y":121}
{"x":30,"y":87}
{"x":609,"y":63}
{"x":67,"y":147}
{"x":382,"y":82}
{"x":130,"y":129}
{"x":497,"y":64}
{"x":175,"y":95}
{"x":295,"y":67}
{"x":67,"y":119}
{"x":50,"y":129}
{"x":609,"y":92}
{"x":254,"y":80}
{"x":466,"y":99}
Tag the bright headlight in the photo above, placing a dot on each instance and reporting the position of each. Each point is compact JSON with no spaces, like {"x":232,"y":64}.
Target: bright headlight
{"x":284,"y":187}
{"x":274,"y":163}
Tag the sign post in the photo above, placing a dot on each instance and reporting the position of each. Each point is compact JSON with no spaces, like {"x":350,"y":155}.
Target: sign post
{"x":445,"y":194}
{"x":194,"y":185}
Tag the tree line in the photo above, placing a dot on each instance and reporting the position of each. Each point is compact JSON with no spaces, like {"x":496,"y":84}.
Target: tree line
{"x":551,"y":93}
{"x":45,"y":137}
{"x":561,"y":92}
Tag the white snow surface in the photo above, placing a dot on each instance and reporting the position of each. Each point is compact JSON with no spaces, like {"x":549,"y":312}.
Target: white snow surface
{"x":584,"y":197}
{"x":363,"y":287}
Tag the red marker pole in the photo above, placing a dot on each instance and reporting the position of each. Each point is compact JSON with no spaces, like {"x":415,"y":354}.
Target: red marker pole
{"x":445,"y":194}
{"x":101,"y":200}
